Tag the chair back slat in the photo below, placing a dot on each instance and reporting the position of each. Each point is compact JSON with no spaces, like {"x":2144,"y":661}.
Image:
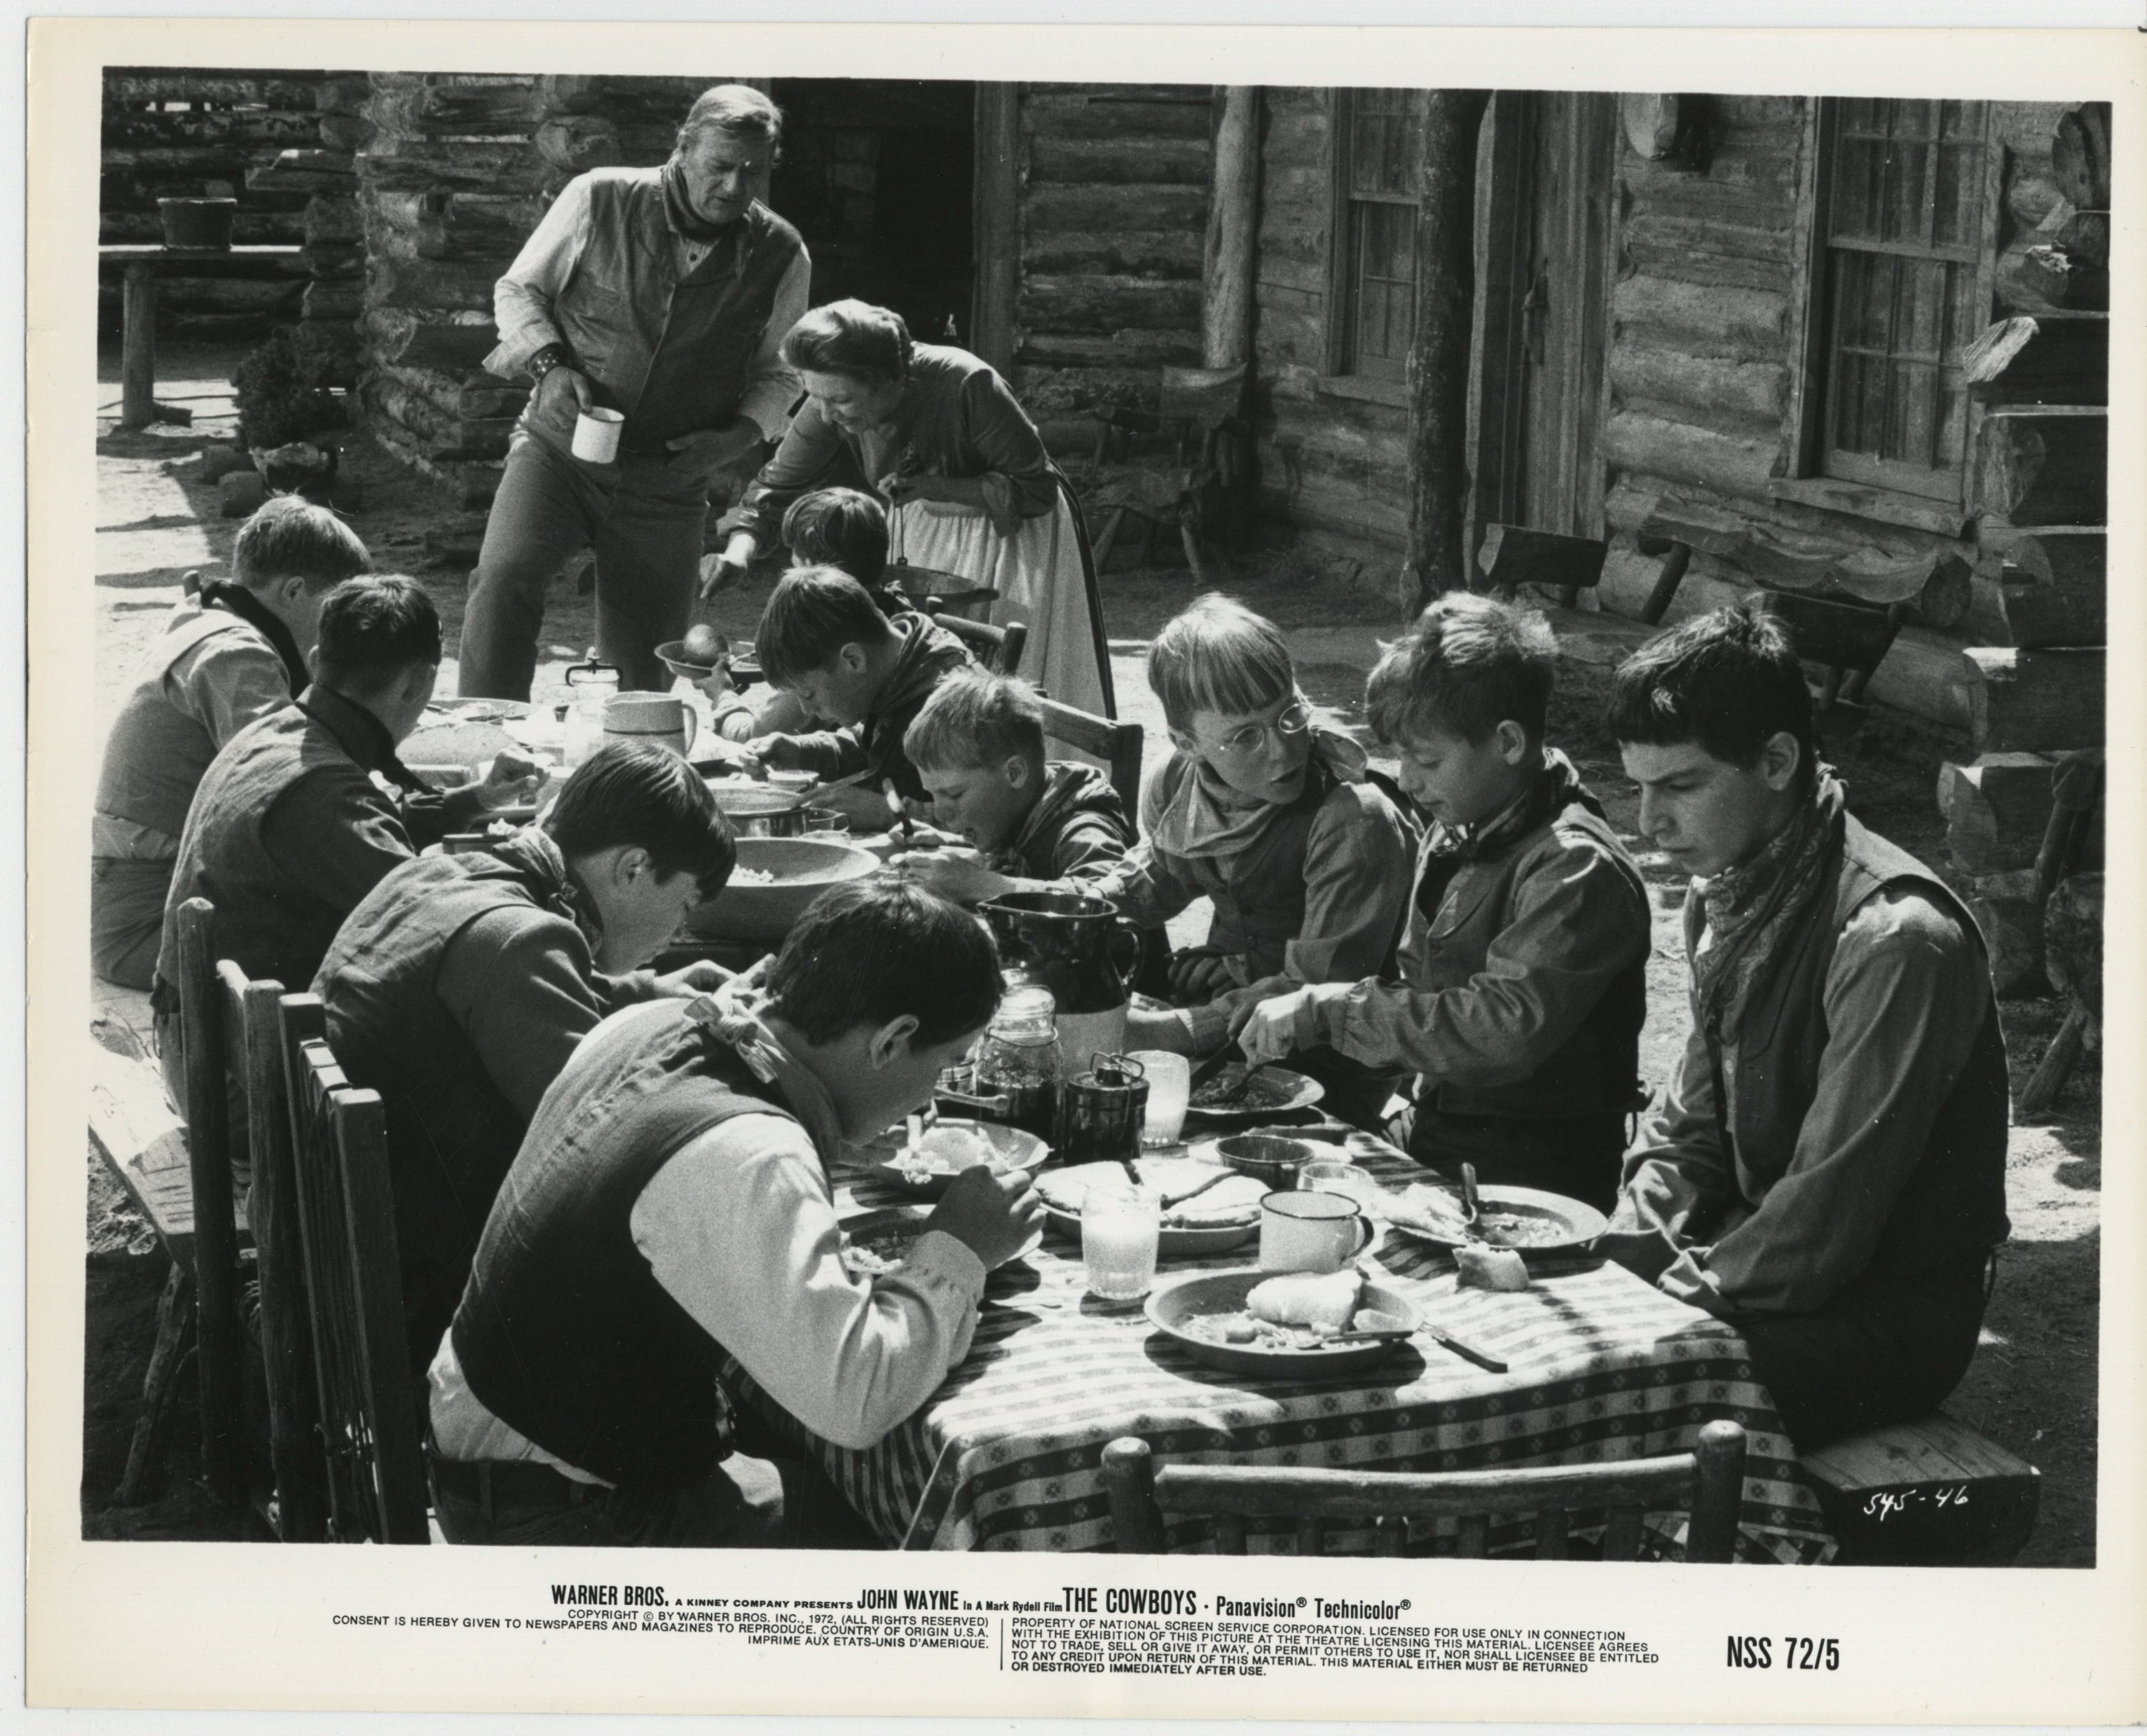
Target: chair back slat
{"x":375,"y":1486}
{"x":1117,"y":745}
{"x":209,"y":1145}
{"x":998,"y":648}
{"x":286,"y":1351}
{"x":1707,"y":1482}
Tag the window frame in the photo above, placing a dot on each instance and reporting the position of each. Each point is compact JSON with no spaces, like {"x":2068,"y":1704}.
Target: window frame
{"x":1342,"y":374}
{"x":1873,"y":489}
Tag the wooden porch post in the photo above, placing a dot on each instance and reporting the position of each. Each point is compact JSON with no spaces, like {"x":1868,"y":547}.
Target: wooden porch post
{"x":1439,"y":355}
{"x":996,"y":223}
{"x":1226,"y":302}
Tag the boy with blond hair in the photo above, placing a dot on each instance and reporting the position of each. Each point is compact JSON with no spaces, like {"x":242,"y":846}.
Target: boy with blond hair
{"x":1522,"y":985}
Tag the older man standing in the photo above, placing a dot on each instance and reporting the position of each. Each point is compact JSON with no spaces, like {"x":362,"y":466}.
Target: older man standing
{"x":664,"y":294}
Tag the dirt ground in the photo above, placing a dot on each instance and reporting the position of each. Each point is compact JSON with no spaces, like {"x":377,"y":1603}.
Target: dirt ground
{"x":2032,"y":1387}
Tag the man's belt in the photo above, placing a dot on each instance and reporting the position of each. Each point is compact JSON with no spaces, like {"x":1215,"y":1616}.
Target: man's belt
{"x":492,"y":1482}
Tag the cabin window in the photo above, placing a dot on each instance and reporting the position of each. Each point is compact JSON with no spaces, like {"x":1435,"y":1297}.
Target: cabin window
{"x":1378,"y":136}
{"x":1903,"y":281}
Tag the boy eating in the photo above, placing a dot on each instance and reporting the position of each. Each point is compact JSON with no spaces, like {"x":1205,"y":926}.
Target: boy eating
{"x":823,"y":639}
{"x":977,"y":745}
{"x":1523,"y":985}
{"x":1273,"y":817}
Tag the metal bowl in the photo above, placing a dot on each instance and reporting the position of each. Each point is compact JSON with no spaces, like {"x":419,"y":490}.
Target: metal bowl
{"x":759,"y":811}
{"x":801,"y":869}
{"x":933,"y":591}
{"x":1273,"y":1157}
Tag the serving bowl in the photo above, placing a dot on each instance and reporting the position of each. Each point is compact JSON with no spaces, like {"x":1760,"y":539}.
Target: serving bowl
{"x":799,"y":869}
{"x":1012,"y":1148}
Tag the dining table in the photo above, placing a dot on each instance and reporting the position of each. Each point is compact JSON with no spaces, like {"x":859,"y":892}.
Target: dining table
{"x":1601,"y":1367}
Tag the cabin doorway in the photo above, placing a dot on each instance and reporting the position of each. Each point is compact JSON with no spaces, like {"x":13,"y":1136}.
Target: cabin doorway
{"x":876,"y":174}
{"x":1544,"y":268}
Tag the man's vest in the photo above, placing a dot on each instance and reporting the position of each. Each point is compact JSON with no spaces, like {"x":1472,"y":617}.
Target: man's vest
{"x":563,"y":1333}
{"x":1953,"y":1202}
{"x":675,"y":354}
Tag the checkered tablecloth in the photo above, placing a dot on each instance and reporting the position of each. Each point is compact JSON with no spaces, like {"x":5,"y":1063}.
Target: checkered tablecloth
{"x":1601,"y":1367}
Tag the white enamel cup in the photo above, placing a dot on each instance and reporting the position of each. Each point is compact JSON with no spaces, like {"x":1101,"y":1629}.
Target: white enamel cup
{"x":663,"y":720}
{"x":596,"y":435}
{"x":1311,"y":1232}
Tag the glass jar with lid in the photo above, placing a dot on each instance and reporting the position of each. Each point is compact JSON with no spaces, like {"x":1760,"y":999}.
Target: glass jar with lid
{"x":1019,"y":1056}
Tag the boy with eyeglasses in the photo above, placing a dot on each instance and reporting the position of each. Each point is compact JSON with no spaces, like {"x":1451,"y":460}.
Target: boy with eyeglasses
{"x":1522,"y":982}
{"x":1279,"y":821}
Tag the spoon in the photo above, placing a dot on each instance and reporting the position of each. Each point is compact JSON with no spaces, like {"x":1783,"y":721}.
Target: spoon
{"x":1471,"y":1207}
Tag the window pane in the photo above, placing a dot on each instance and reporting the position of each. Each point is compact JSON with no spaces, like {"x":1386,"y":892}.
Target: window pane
{"x":1911,"y":413}
{"x":1924,"y":311}
{"x":1384,"y":309}
{"x":1856,"y":168}
{"x":1911,"y":117}
{"x":1902,"y":207}
{"x":1959,"y":178}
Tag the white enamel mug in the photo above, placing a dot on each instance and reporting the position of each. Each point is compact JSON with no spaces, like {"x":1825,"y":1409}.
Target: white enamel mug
{"x":1310,"y":1233}
{"x":596,"y":435}
{"x":663,"y":720}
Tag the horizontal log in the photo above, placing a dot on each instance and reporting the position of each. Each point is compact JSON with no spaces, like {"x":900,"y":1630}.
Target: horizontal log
{"x":330,"y":217}
{"x":2035,"y":276}
{"x":198,"y":162}
{"x":1084,"y":391}
{"x":2056,"y":359}
{"x":1676,"y":450}
{"x":402,"y":335}
{"x":2031,"y":192}
{"x":437,"y":283}
{"x":333,"y":258}
{"x":351,"y":132}
{"x":343,"y":93}
{"x":1761,"y":192}
{"x":1129,"y":253}
{"x":469,"y":485}
{"x":1119,"y":162}
{"x":2045,"y":466}
{"x":1121,"y":349}
{"x":2079,"y":155}
{"x":283,"y":266}
{"x":512,"y":167}
{"x":575,"y":143}
{"x":264,"y":89}
{"x":278,"y":178}
{"x":2039,"y":613}
{"x":1702,"y":315}
{"x":2075,"y":557}
{"x":255,"y":129}
{"x":232,"y":295}
{"x":248,"y":229}
{"x":436,"y":110}
{"x":1107,"y":304}
{"x":1088,"y":209}
{"x":1160,"y":93}
{"x":1757,"y":390}
{"x":1102,"y":118}
{"x":1996,"y":810}
{"x":459,"y":397}
{"x":1844,"y":636}
{"x":334,"y":298}
{"x":2034,"y":701}
{"x":431,"y":432}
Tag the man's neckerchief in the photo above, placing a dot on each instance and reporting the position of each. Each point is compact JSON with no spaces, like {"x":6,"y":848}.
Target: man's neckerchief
{"x":1748,"y":909}
{"x":237,"y":600}
{"x":1206,"y":818}
{"x":679,"y":209}
{"x":380,"y":754}
{"x":1554,"y":787}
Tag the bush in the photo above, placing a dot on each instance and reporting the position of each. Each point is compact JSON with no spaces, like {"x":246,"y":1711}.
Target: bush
{"x":283,"y":392}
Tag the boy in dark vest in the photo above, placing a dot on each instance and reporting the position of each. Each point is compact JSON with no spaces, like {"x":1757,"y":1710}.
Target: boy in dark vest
{"x":1276,"y":818}
{"x":293,"y":823}
{"x":234,"y":651}
{"x":460,"y":985}
{"x":823,"y":639}
{"x":663,"y":294}
{"x":977,"y":744}
{"x":1828,"y":1172}
{"x":1523,"y":975}
{"x":672,"y":1203}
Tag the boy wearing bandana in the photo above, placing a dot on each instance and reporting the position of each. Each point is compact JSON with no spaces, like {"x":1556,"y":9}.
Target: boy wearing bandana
{"x":1522,"y":985}
{"x":1829,"y":1170}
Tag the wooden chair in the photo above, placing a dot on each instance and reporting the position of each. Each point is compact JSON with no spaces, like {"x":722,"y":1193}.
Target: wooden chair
{"x":1708,"y":1483}
{"x":1847,"y":640}
{"x":998,"y":648}
{"x":1117,"y":745}
{"x":1199,"y":413}
{"x":375,"y":1469}
{"x":296,"y":1470}
{"x":1511,"y":555}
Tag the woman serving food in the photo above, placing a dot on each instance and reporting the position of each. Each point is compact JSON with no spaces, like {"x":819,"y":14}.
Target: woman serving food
{"x":935,"y":432}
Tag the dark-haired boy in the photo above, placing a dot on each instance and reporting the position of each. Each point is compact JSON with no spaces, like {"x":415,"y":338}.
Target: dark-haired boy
{"x":671,"y":1203}
{"x":233,"y":652}
{"x":977,"y":744}
{"x":1828,"y":1172}
{"x":290,"y":829}
{"x":823,"y":639}
{"x":1522,"y":986}
{"x":460,"y":985}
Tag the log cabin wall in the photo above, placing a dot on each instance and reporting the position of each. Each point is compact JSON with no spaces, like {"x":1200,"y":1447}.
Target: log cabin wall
{"x":1113,"y":214}
{"x":193,"y":133}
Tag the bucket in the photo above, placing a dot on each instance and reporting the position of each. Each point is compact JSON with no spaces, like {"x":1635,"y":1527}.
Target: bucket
{"x":200,"y":225}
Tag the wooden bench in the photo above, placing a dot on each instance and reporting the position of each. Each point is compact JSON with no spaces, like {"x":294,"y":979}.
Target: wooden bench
{"x":1929,"y":1493}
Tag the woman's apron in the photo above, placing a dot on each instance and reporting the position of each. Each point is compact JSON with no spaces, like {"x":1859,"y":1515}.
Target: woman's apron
{"x":1044,"y":576}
